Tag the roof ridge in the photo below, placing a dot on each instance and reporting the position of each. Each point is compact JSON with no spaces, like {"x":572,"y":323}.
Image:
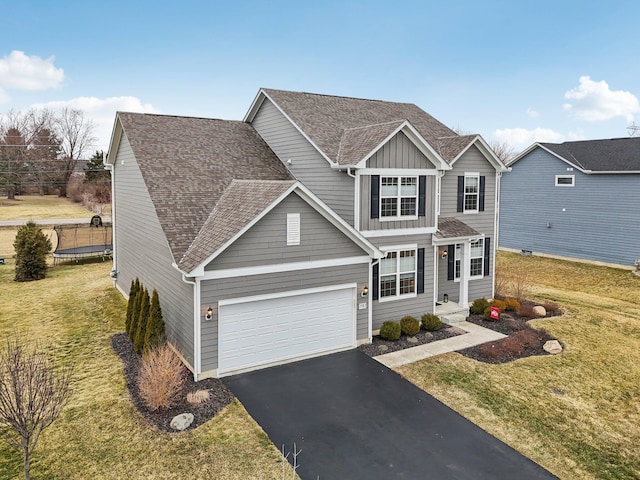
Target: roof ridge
{"x":402,"y":120}
{"x":338,"y":96}
{"x":168,"y":115}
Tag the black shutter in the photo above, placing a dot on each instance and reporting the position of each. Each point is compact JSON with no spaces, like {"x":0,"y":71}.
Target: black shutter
{"x":487,"y":255}
{"x":451,"y":262}
{"x":374,"y":279}
{"x":422,"y":195}
{"x":420,"y":273}
{"x":375,"y":196}
{"x":481,"y":200}
{"x":460,"y":194}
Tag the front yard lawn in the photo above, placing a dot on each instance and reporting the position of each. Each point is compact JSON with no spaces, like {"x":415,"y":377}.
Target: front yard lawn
{"x":576,"y":413}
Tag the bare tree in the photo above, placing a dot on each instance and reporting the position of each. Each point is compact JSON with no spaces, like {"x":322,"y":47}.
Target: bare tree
{"x":32,"y":395}
{"x":76,"y":133}
{"x":503,"y":150}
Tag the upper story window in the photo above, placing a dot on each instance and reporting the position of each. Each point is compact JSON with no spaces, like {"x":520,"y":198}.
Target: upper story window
{"x":398,"y":274}
{"x":565,"y":180}
{"x":471,"y":188}
{"x":398,"y":197}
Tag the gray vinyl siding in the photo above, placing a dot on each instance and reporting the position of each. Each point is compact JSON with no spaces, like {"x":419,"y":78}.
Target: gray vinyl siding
{"x":483,"y":222}
{"x":415,"y":306}
{"x":596,"y":219}
{"x":141,"y":250}
{"x":368,"y":224}
{"x":333,"y":187}
{"x":399,"y":152}
{"x":266,"y":242}
{"x":213,"y":291}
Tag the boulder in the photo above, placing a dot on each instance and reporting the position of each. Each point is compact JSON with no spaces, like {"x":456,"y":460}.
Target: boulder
{"x":412,"y":340}
{"x":182,"y":421}
{"x":428,"y":335}
{"x":552,"y":346}
{"x":383,"y":348}
{"x":539,"y":311}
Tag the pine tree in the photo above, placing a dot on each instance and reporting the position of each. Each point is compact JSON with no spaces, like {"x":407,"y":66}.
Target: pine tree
{"x":133,"y":292}
{"x":155,"y":325}
{"x":138,"y":341}
{"x":32,"y":247}
{"x":135,"y":313}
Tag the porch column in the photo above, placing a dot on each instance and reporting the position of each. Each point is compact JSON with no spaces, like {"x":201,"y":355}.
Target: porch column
{"x":465,"y":272}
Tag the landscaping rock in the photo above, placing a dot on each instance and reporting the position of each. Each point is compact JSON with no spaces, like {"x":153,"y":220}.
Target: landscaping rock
{"x":412,"y":340}
{"x":383,"y":348}
{"x":539,"y":311}
{"x":182,"y":421}
{"x":552,"y":346}
{"x":429,"y":335}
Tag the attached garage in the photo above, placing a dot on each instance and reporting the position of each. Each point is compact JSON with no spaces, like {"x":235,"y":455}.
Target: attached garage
{"x":268,"y":329}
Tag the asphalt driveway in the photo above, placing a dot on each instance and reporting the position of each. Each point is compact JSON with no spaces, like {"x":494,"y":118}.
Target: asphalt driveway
{"x":354,"y":418}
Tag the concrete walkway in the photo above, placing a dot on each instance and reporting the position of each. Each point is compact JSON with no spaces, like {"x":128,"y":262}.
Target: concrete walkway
{"x":475,"y":335}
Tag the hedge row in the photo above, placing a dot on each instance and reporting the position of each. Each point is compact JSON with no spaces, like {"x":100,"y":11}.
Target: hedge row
{"x":144,"y":323}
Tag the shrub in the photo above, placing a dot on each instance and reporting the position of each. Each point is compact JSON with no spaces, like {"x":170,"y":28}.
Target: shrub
{"x":511,"y":304}
{"x":154,"y":333}
{"x":502,"y":306}
{"x":487,"y":314}
{"x":526,"y":310}
{"x":479,"y":305}
{"x":198,"y":397}
{"x":32,"y":247}
{"x":409,"y":325}
{"x":431,"y":322}
{"x":390,"y":330}
{"x":551,"y":307}
{"x":135,"y":314}
{"x":141,"y":327}
{"x":161,"y":378}
{"x":133,"y":292}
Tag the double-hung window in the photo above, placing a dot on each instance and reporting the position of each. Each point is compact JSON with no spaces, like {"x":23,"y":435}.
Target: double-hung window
{"x":471,"y":193}
{"x":398,"y":274}
{"x":398,"y":198}
{"x":476,"y":259}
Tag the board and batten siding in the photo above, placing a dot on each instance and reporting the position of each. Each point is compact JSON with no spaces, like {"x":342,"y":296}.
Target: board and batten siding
{"x":415,"y":306}
{"x":212,"y":291}
{"x":333,"y":187}
{"x":266,"y":242}
{"x":141,"y":250}
{"x":597,"y":219}
{"x":472,"y":161}
{"x":399,"y":152}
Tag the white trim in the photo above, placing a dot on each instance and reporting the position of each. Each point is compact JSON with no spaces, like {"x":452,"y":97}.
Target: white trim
{"x":572,"y":184}
{"x":464,"y":193}
{"x":288,"y":293}
{"x":398,"y":197}
{"x":438,"y":242}
{"x":398,"y":249}
{"x":398,"y":172}
{"x":486,"y":151}
{"x":282,"y":267}
{"x":398,"y":231}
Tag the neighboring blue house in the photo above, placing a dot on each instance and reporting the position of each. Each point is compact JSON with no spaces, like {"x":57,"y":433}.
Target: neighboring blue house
{"x":579,"y":200}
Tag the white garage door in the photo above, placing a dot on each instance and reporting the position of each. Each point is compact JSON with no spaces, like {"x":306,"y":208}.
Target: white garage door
{"x":257,"y":331}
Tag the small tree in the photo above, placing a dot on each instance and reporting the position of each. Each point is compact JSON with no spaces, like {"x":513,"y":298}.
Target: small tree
{"x":141,"y":330}
{"x":32,"y":395}
{"x":135,"y":313}
{"x":32,"y":247}
{"x":155,"y":324}
{"x":133,"y":292}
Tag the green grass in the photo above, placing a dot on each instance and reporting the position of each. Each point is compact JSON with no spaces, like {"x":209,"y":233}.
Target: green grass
{"x":593,"y":429}
{"x":100,"y":434}
{"x":31,"y":207}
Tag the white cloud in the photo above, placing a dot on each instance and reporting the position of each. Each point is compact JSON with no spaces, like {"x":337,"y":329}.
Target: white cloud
{"x":520,"y":138}
{"x":21,"y":72}
{"x":594,"y":101}
{"x":532,"y":113}
{"x":102,"y":112}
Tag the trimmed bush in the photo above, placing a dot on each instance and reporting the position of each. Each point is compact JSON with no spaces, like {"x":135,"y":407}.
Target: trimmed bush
{"x":141,"y":327}
{"x":390,"y":330}
{"x":511,"y":304}
{"x":487,"y":314}
{"x":479,"y":305}
{"x":32,"y":247}
{"x":409,"y":325}
{"x":154,"y":334}
{"x":431,"y":322}
{"x":161,"y":378}
{"x":502,"y":306}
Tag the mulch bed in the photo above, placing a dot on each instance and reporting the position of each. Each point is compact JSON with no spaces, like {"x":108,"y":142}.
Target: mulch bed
{"x":373,"y":349}
{"x":220,"y":395}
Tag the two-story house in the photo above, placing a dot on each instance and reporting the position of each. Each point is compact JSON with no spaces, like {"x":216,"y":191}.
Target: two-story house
{"x":299,"y":230}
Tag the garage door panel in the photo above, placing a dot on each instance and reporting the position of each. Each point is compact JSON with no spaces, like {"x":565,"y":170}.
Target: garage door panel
{"x":259,"y":332}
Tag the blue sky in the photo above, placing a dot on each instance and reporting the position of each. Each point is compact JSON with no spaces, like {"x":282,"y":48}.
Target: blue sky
{"x":513,"y":71}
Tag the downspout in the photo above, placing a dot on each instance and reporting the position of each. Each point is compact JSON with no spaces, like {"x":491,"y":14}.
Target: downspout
{"x":114,"y":268}
{"x":196,"y":325}
{"x":496,"y":234}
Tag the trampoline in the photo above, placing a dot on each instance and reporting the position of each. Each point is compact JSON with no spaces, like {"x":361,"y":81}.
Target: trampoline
{"x":80,"y":240}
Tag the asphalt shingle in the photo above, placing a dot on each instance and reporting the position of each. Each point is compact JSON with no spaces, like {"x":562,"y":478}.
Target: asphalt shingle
{"x":609,"y":155}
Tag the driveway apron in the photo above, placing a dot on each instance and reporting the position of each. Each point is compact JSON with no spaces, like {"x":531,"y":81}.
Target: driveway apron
{"x":354,"y":418}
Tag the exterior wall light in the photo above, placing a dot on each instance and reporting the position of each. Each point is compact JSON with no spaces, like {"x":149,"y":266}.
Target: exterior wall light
{"x":209,"y":314}
{"x":444,"y":253}
{"x":365,"y":291}
{"x":445,"y":298}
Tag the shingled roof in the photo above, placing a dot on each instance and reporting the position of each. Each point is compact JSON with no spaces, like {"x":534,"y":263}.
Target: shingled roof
{"x":188,"y":164}
{"x":610,"y":155}
{"x":450,"y":227}
{"x":329,"y":121}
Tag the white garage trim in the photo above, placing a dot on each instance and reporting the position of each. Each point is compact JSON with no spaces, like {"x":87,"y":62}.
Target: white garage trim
{"x":263,"y":330}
